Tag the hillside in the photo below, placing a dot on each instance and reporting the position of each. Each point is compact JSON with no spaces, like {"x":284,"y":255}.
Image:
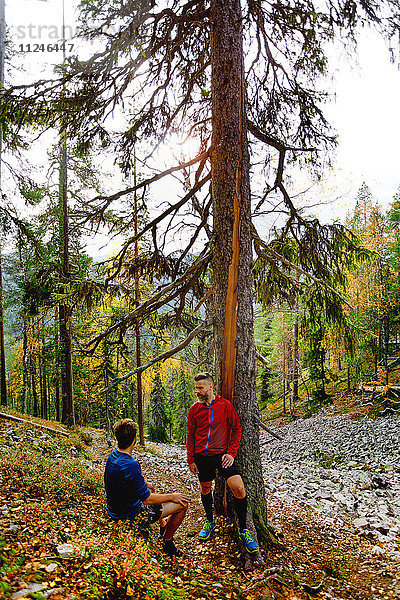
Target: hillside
{"x":58,"y":543}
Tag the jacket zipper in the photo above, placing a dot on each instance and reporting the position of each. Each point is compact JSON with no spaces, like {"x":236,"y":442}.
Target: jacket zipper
{"x":209,"y":424}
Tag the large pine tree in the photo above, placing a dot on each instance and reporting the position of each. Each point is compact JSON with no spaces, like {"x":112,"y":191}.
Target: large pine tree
{"x":181,"y":67}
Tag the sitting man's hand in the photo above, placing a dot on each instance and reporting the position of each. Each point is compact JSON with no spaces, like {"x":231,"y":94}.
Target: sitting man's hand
{"x":193,"y":468}
{"x":179,"y":498}
{"x":151,"y":487}
{"x":227,"y":461}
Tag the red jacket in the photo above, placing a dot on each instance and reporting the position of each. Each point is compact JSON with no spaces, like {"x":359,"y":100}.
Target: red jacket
{"x":212,"y":429}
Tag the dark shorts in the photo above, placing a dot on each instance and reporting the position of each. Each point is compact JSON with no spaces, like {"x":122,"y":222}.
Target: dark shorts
{"x":148,"y":514}
{"x":208,"y":465}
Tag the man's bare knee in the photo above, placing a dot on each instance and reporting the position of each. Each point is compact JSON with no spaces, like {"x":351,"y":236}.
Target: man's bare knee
{"x":237,"y":486}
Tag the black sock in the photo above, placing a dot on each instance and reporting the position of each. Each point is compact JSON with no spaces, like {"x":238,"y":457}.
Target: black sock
{"x":207,"y":501}
{"x":241,"y":511}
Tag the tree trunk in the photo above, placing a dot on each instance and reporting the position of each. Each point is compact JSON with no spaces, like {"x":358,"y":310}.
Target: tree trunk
{"x":25,"y":369}
{"x":67,"y":395}
{"x":3,"y":383}
{"x":284,"y":376}
{"x":3,"y":379}
{"x":35,"y":411}
{"x":232,"y":248}
{"x":296,"y":362}
{"x":40,"y":367}
{"x":45,"y":389}
{"x":67,"y":401}
{"x":56,"y":378}
{"x":137,"y":330}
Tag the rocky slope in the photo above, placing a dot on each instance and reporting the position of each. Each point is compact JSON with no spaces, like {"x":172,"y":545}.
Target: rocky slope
{"x":347,"y":471}
{"x":344,"y":469}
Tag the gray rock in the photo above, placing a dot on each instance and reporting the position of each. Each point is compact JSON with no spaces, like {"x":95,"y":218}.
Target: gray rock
{"x":53,"y":592}
{"x":383,"y":528}
{"x":65,"y":550}
{"x":360,"y":523}
{"x":324,"y":494}
{"x":31,"y":588}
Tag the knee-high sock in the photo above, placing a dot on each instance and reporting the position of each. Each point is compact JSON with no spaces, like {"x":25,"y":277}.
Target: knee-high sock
{"x":207,"y":501}
{"x":241,"y":511}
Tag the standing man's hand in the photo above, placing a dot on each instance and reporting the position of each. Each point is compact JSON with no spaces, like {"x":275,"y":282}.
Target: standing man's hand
{"x":227,"y":460}
{"x":193,"y":468}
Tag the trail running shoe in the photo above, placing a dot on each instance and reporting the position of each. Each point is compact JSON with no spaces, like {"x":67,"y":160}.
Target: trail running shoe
{"x":246,"y":537}
{"x":207,"y":530}
{"x":170,"y":549}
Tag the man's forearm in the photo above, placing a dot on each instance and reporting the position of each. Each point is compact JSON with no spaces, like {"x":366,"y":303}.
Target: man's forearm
{"x":176,"y":497}
{"x":158,"y":498}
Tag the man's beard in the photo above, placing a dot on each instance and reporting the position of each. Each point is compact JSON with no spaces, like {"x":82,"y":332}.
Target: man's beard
{"x":202,"y":398}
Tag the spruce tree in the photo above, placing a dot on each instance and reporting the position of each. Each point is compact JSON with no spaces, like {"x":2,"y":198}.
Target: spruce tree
{"x":157,"y":428}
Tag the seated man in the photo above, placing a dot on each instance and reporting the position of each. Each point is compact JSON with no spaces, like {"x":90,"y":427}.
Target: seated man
{"x":128,"y":494}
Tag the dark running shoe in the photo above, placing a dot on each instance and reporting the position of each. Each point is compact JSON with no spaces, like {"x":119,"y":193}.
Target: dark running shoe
{"x":170,"y":549}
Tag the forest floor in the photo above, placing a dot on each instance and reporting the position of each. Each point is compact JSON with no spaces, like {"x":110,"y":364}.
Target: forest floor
{"x":52,"y":502}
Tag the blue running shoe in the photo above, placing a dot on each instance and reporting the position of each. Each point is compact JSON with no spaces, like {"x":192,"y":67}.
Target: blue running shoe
{"x":207,"y":530}
{"x":246,"y":537}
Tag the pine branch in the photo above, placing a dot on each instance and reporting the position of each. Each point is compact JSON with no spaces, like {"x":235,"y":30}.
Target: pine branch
{"x":268,"y":253}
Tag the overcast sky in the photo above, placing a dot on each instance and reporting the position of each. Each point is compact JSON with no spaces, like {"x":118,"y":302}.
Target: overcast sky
{"x":366,"y":112}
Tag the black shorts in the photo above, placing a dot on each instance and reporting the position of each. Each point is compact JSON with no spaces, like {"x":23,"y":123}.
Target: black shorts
{"x":148,"y":514}
{"x":208,"y":465}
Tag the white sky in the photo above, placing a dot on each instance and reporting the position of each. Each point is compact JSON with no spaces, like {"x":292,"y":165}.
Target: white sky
{"x":366,"y":113}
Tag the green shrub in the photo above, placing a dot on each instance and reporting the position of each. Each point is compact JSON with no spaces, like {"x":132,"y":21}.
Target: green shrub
{"x":42,"y":475}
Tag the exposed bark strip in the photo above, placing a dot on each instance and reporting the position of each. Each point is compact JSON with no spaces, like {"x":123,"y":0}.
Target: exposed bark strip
{"x":230,"y":329}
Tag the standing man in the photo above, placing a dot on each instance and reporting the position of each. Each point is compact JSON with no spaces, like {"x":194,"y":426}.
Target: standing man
{"x":130,"y":497}
{"x":213,"y":438}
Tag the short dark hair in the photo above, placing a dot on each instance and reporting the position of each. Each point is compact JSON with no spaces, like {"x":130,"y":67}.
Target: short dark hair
{"x":125,"y":432}
{"x":204,"y":375}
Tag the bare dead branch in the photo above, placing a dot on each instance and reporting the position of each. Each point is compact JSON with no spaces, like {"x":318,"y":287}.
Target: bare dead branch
{"x":164,"y":295}
{"x":156,"y":221}
{"x":159,"y":358}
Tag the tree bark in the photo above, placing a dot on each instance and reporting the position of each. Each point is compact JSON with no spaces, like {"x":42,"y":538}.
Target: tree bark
{"x":56,"y":378}
{"x":35,"y":411}
{"x":295,"y":389}
{"x":67,"y":394}
{"x":137,"y":326}
{"x":3,"y":377}
{"x":14,"y":418}
{"x":232,"y":247}
{"x":25,"y":368}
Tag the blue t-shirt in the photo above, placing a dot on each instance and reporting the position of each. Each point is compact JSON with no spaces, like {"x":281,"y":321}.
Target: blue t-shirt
{"x":126,"y":488}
